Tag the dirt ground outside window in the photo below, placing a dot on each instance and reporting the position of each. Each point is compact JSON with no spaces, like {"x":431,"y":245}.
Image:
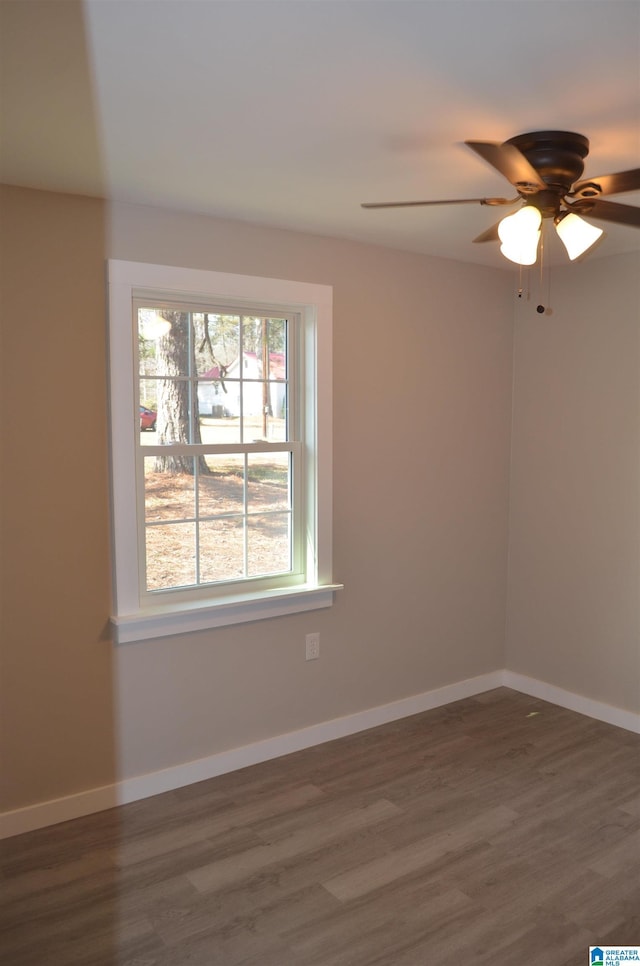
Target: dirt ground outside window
{"x":171,"y":542}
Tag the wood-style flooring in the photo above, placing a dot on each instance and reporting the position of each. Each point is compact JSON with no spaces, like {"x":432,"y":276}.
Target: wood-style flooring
{"x":497,"y":830}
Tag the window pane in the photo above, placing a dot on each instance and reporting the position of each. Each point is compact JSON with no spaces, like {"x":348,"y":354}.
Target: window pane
{"x":148,"y":411}
{"x":216,"y":344}
{"x":268,"y":544}
{"x":212,"y":398}
{"x":277,"y":412}
{"x":255,"y":420}
{"x":252,"y":329}
{"x":277,"y":345}
{"x":169,"y":488}
{"x":264,"y":346}
{"x":267,"y":482}
{"x":149,"y":393}
{"x":151,"y":327}
{"x":177,"y":420}
{"x":222,"y":550}
{"x":168,"y":406}
{"x":164,"y":342}
{"x":171,"y":555}
{"x":264,"y":370}
{"x":223,"y":430}
{"x":221,"y":489}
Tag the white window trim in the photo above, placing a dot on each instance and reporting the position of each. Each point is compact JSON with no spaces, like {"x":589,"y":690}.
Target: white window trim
{"x":133,"y":620}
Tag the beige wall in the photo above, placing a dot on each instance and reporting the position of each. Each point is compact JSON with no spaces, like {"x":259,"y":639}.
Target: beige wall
{"x":421,"y":495}
{"x":574,"y":559}
{"x":56,"y":686}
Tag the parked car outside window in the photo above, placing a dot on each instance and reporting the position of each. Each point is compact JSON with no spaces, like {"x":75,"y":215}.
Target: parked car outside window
{"x":147,"y":419}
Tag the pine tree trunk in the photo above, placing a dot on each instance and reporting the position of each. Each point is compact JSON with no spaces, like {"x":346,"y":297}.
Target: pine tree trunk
{"x":174,"y":406}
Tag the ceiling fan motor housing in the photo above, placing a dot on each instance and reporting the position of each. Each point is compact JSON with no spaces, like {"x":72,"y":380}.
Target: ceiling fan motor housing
{"x":557,"y":156}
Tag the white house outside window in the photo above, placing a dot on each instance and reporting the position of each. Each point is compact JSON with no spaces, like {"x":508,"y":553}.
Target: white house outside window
{"x":221,"y":448}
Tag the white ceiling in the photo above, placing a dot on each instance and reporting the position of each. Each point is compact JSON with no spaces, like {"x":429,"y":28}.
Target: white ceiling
{"x":292,"y":112}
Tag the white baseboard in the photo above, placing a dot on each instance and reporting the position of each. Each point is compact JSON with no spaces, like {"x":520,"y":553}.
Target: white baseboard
{"x":57,"y":810}
{"x":134,"y":789}
{"x":628,"y":720}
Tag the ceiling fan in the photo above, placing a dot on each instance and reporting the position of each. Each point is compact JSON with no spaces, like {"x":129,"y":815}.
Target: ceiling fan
{"x":544,"y":168}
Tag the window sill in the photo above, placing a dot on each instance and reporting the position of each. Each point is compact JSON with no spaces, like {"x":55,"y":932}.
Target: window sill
{"x":169,"y":619}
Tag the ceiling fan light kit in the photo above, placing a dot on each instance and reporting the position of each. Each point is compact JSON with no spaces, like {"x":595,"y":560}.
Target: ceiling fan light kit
{"x":577,"y":235}
{"x":520,"y":235}
{"x":545,"y":167}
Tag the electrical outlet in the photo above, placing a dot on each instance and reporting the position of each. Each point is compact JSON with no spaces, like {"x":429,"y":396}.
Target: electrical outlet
{"x":312,"y":642}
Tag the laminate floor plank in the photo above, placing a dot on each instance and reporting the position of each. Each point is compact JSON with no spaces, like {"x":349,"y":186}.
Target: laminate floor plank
{"x":418,"y":855}
{"x":602,"y":905}
{"x":496,"y":830}
{"x":224,"y":871}
{"x":363,"y":930}
{"x":161,"y":839}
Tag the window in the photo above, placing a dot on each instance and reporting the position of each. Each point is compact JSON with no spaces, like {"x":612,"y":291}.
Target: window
{"x":221,"y":448}
{"x":219,"y":467}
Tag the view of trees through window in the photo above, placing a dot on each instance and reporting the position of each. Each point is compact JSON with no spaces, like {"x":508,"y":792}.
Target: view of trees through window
{"x":216,"y":447}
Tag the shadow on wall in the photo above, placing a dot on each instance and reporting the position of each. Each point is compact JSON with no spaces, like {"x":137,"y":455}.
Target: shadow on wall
{"x":56,"y":673}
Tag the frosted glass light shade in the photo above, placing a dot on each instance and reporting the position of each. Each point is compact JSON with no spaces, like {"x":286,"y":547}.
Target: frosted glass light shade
{"x":520,"y":234}
{"x":577,"y":235}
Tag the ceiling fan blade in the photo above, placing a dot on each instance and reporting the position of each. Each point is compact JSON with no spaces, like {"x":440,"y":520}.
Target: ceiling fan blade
{"x":510,"y":162}
{"x":490,"y":235}
{"x":608,"y":184}
{"x":454,"y":201}
{"x":607,"y":211}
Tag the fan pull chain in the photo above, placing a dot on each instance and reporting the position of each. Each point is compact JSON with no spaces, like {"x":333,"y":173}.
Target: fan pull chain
{"x":540,"y":308}
{"x":524,"y":283}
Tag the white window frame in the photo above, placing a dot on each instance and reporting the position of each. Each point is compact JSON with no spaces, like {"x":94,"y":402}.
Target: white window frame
{"x":137,"y":615}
